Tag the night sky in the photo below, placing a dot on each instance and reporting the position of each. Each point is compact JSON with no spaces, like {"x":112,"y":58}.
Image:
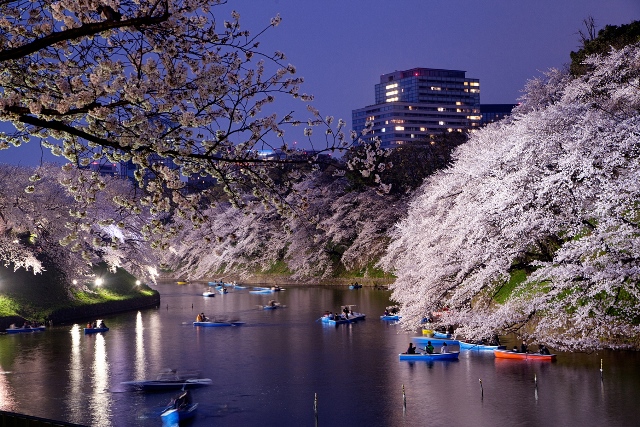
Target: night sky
{"x":341,"y":47}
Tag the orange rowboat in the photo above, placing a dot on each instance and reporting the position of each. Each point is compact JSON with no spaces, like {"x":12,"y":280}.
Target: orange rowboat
{"x":509,"y":354}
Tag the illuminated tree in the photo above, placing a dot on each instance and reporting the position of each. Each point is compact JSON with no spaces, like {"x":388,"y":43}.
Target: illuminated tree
{"x":154,"y":83}
{"x":535,"y":228}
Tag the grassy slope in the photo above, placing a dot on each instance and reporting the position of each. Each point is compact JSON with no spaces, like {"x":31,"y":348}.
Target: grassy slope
{"x":36,"y":296}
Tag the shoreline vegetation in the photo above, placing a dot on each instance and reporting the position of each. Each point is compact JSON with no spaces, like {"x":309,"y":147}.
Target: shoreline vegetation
{"x":47,"y":298}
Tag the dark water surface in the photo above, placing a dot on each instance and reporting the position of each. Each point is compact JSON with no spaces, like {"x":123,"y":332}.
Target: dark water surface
{"x":267,"y":372}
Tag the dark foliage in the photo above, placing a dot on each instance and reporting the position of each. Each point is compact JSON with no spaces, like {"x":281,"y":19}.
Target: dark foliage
{"x":611,"y":36}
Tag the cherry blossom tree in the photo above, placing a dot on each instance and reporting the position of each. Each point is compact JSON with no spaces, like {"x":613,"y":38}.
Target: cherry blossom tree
{"x":155,"y":83}
{"x":535,"y":228}
{"x":49,"y":227}
{"x":337,"y":230}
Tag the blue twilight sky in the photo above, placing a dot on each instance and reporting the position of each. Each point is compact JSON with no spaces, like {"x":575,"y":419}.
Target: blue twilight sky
{"x":341,"y":47}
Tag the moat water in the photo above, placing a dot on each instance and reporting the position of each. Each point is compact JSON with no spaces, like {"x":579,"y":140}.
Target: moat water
{"x":270,"y":371}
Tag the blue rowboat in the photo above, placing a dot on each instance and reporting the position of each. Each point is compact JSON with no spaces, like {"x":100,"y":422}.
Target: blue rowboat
{"x":172,"y":417}
{"x":25,"y":330}
{"x":208,"y":294}
{"x":261,"y":291}
{"x":390,"y":317}
{"x":435,"y":341}
{"x":214,"y":324}
{"x":336,"y":321}
{"x":480,"y":347}
{"x":430,"y":356}
{"x":441,"y":335}
{"x":95,"y":330}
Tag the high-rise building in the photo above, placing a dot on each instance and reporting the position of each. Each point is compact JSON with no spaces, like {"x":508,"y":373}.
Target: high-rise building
{"x":418,"y":103}
{"x":494,"y":112}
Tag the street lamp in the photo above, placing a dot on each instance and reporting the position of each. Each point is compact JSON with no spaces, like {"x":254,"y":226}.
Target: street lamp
{"x":98,"y":282}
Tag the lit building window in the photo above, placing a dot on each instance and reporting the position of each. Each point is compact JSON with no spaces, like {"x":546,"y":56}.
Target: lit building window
{"x":391,"y":86}
{"x":440,"y":108}
{"x":392,"y":92}
{"x":423,"y":129}
{"x":436,"y":88}
{"x":458,"y":103}
{"x":392,"y":99}
{"x":475,"y":84}
{"x":383,"y":130}
{"x":399,"y":127}
{"x":441,"y":123}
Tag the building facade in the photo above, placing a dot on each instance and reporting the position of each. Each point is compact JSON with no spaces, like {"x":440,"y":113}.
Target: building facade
{"x":418,"y":103}
{"x":494,"y":112}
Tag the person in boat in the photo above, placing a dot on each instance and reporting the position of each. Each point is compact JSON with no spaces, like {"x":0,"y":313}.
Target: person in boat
{"x":429,"y":347}
{"x":88,"y":325}
{"x":515,"y":349}
{"x":198,"y":318}
{"x":272,"y":303}
{"x":386,"y":312}
{"x":346,"y":312}
{"x":411,"y":349}
{"x":523,"y":347}
{"x":182,"y":401}
{"x":543,"y":349}
{"x":94,"y":324}
{"x":444,"y":348}
{"x":331,"y":315}
{"x":495,"y":340}
{"x":103,"y":325}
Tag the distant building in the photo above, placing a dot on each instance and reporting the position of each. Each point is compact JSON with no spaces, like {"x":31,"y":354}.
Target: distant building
{"x":418,"y":103}
{"x":127,"y":169}
{"x":494,"y":112}
{"x":103,"y":168}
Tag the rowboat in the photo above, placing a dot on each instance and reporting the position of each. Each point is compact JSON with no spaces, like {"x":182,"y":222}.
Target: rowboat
{"x":181,"y":408}
{"x":480,"y":347}
{"x":509,"y":354}
{"x":214,"y":324}
{"x":435,"y":341}
{"x":25,"y":330}
{"x":390,"y":317}
{"x":95,"y":330}
{"x":437,"y":334}
{"x":168,"y":384}
{"x":336,"y":321}
{"x":172,"y":417}
{"x":355,"y":286}
{"x":272,"y":306}
{"x":208,"y":294}
{"x":223,"y":291}
{"x":261,"y":291}
{"x":430,"y":356}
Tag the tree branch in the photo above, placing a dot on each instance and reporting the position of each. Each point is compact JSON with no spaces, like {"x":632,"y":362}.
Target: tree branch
{"x":75,"y":33}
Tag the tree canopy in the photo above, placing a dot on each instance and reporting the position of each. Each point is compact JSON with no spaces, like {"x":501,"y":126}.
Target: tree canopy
{"x":167,"y":85}
{"x":535,"y":229}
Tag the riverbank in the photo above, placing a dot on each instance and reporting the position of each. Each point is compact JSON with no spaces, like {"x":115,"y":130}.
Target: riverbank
{"x":48,"y":298}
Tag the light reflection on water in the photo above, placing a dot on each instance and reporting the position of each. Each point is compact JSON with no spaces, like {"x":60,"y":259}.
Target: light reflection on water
{"x":140,"y":359}
{"x":267,"y":372}
{"x":76,"y":375}
{"x":100,"y":403}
